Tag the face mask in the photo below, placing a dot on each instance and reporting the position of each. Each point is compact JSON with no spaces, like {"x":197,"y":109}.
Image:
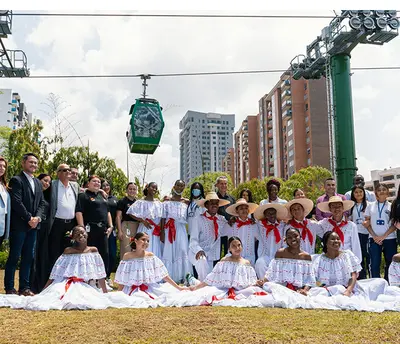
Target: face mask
{"x":177,"y":193}
{"x":196,"y":192}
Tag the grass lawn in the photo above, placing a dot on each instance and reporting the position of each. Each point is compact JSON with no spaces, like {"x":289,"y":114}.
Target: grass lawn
{"x":197,"y":325}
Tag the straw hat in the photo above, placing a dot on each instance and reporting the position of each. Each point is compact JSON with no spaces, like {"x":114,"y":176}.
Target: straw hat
{"x":324,"y":206}
{"x":212,"y":196}
{"x":306,"y":203}
{"x":231,"y":210}
{"x":281,"y":211}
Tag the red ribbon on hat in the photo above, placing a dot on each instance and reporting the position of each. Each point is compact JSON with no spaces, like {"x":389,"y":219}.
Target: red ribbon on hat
{"x":170,"y":225}
{"x":214,"y":219}
{"x":272,"y":227}
{"x":71,"y":280}
{"x":305,"y":231}
{"x":142,"y":287}
{"x":337,"y":228}
{"x":156,"y":229}
{"x":243,"y":223}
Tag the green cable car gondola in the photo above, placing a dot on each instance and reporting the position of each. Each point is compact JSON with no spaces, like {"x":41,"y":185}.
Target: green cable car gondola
{"x":146,"y":126}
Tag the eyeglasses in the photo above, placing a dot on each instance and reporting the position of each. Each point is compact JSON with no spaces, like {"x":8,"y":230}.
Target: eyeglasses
{"x":64,"y":170}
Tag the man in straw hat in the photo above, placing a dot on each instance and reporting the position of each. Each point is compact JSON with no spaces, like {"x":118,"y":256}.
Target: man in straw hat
{"x":270,"y":235}
{"x":298,"y":210}
{"x":244,"y":227}
{"x":337,"y":223}
{"x":205,"y":237}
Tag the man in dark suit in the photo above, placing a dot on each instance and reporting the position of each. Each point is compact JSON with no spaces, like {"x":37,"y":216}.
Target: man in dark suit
{"x":64,"y":195}
{"x":27,"y":205}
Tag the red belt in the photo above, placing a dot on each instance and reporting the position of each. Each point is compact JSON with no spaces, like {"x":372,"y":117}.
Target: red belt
{"x":142,"y":287}
{"x":69,"y":282}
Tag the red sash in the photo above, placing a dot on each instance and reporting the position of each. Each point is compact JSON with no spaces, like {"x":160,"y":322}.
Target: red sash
{"x":170,"y":225}
{"x":305,"y":232}
{"x":157,"y":228}
{"x":273,"y":227}
{"x":69,"y":282}
{"x":337,"y":228}
{"x":142,"y":287}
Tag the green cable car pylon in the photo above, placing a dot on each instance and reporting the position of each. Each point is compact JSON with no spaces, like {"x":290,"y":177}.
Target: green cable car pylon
{"x":146,"y":124}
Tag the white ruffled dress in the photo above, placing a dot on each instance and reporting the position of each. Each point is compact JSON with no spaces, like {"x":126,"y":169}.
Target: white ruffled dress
{"x":152,"y":210}
{"x":142,"y":277}
{"x":73,"y":287}
{"x":228,"y":284}
{"x":176,"y":247}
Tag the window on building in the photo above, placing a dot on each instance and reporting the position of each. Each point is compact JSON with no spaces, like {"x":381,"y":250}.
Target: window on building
{"x":306,"y":107}
{"x":388,"y":177}
{"x":398,"y":176}
{"x":203,"y":121}
{"x":308,"y":140}
{"x":305,"y":96}
{"x":307,"y":129}
{"x":290,"y":143}
{"x":306,"y":119}
{"x":291,"y":152}
{"x":290,"y":132}
{"x":291,"y":163}
{"x":289,"y":122}
{"x":308,"y":151}
{"x":305,"y":86}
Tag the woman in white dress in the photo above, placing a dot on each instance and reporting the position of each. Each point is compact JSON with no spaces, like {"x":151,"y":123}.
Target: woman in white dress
{"x":244,"y":227}
{"x":336,"y":274}
{"x":149,"y":212}
{"x":231,"y":282}
{"x":140,"y":273}
{"x":291,"y":267}
{"x":176,"y":244}
{"x":72,"y":282}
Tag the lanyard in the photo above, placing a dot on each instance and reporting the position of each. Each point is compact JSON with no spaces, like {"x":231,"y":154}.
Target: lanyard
{"x":359,"y":210}
{"x":192,"y":208}
{"x":381,"y":209}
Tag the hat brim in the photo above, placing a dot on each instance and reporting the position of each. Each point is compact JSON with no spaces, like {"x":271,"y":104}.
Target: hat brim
{"x":324,"y":206}
{"x":231,"y":210}
{"x":221,"y":203}
{"x":281,"y":211}
{"x":306,"y":203}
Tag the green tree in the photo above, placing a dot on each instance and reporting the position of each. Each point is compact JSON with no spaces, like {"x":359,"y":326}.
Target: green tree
{"x":310,"y":179}
{"x":208,"y":180}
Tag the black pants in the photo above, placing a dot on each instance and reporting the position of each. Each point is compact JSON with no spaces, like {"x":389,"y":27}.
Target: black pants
{"x":57,"y":239}
{"x":365,"y":256}
{"x":40,"y":267}
{"x":224,"y":246}
{"x":97,"y":237}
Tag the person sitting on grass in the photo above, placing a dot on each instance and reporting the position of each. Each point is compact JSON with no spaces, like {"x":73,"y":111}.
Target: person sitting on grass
{"x":140,"y":272}
{"x":291,"y":266}
{"x":394,"y":271}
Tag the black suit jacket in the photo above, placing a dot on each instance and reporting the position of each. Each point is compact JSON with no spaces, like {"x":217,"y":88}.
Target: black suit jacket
{"x":24,"y":203}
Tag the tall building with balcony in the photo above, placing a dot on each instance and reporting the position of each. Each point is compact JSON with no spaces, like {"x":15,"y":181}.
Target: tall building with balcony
{"x":293,"y":127}
{"x":388,"y":176}
{"x":13,"y":113}
{"x":247,"y":150}
{"x":204,"y":141}
{"x":228,"y":163}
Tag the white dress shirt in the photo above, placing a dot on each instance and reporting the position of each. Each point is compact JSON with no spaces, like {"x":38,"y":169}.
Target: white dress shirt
{"x":30,"y":180}
{"x":66,"y":202}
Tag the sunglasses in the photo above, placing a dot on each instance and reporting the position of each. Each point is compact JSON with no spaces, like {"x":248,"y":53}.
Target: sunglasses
{"x":64,"y":170}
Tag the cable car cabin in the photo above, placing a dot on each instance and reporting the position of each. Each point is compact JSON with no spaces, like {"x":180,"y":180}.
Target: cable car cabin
{"x":146,"y":126}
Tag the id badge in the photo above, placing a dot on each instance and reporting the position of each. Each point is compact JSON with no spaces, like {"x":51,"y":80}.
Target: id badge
{"x":87,"y":228}
{"x":128,"y":231}
{"x":380,"y":222}
{"x":359,"y":221}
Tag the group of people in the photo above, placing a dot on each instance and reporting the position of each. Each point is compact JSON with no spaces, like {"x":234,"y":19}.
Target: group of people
{"x":209,"y":249}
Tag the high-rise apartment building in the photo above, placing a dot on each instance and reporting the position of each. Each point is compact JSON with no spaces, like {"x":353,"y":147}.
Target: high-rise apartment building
{"x":204,"y":141}
{"x":13,"y":113}
{"x":247,"y":150}
{"x":228,"y":163}
{"x":293,"y":127}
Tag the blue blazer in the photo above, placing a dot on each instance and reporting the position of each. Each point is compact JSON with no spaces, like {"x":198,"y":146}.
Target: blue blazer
{"x":5,"y":219}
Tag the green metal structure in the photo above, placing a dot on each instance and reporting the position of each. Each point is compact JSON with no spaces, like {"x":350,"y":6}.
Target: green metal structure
{"x":329,"y":56}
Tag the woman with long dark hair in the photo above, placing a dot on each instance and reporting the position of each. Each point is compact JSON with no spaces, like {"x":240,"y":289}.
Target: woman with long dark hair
{"x":5,"y":201}
{"x":357,"y":215}
{"x":40,"y":265}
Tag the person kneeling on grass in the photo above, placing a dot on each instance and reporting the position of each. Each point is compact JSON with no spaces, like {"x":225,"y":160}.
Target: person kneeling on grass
{"x":291,"y":266}
{"x":140,"y":272}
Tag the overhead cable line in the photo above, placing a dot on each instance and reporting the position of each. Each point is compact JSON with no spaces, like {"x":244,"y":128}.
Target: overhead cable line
{"x":127,"y":76}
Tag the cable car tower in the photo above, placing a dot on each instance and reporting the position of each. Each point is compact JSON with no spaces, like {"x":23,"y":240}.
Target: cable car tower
{"x":13,"y":63}
{"x":146,"y":124}
{"x":329,"y":56}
